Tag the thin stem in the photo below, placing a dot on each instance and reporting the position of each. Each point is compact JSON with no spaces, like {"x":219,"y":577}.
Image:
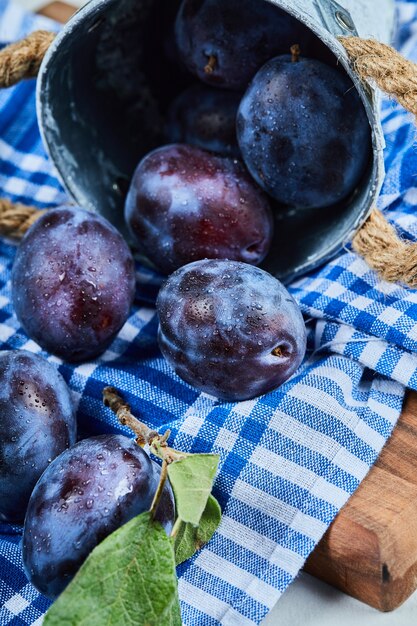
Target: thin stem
{"x":121,"y":409}
{"x":159,"y":448}
{"x":158,"y":493}
{"x":295,"y":53}
{"x":144,"y":435}
{"x":211,"y":64}
{"x":176,"y":527}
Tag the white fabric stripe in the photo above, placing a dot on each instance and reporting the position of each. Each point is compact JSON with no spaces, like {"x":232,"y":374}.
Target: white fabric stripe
{"x":264,"y":547}
{"x":193,"y":418}
{"x":342,"y":380}
{"x":326,"y":403}
{"x":386,"y":201}
{"x":406,"y":366}
{"x":233,"y":618}
{"x":368,"y":434}
{"x":245,"y":408}
{"x":16,"y":604}
{"x":44,"y":193}
{"x":279,"y":510}
{"x":402,"y":374}
{"x":6,"y":332}
{"x":10,"y":23}
{"x":372,"y":352}
{"x":331,"y":493}
{"x":28,"y":162}
{"x":145,"y":314}
{"x":386,"y":411}
{"x":17,"y":186}
{"x":316,"y":442}
{"x":351,"y":464}
{"x":201,"y":600}
{"x":128,"y":331}
{"x":395,"y":123}
{"x":234,"y":575}
{"x":297,"y":474}
{"x":86,"y":369}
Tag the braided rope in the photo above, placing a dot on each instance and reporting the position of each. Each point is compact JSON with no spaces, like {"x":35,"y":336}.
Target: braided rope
{"x":22,"y":59}
{"x":377,"y":241}
{"x":16,"y":218}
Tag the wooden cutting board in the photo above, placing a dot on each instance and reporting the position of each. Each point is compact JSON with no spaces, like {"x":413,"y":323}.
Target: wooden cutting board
{"x":370,"y":550}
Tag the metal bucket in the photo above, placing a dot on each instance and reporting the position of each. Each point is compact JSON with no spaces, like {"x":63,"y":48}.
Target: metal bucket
{"x":105,"y":83}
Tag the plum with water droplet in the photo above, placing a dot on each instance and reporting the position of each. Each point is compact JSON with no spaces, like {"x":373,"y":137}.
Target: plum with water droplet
{"x":73,"y":283}
{"x":303,"y":132}
{"x":230,"y":329}
{"x":37,"y":423}
{"x":186,"y":204}
{"x":87,"y":493}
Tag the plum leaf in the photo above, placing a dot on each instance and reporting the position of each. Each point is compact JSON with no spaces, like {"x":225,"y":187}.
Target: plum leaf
{"x":129,"y":578}
{"x":190,"y":538}
{"x":192,"y":479}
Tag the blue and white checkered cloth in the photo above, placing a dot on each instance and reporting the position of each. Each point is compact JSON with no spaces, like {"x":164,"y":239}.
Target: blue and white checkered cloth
{"x":290,"y":459}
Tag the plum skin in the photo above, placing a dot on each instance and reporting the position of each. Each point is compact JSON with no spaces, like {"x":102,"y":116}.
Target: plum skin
{"x":230,"y":329}
{"x":186,"y":204}
{"x":73,"y":283}
{"x":206,"y":118}
{"x":240,"y":35}
{"x":85,"y":494}
{"x":37,"y":423}
{"x":303,"y":132}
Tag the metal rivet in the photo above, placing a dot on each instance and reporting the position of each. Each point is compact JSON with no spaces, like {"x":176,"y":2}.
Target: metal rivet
{"x":344,"y":21}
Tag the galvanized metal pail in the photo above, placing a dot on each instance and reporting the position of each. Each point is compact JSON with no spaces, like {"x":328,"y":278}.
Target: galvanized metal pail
{"x":105,"y":84}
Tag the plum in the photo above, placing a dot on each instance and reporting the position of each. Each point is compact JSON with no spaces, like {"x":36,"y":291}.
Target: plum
{"x":230,"y":329}
{"x":87,"y":493}
{"x":186,"y":204}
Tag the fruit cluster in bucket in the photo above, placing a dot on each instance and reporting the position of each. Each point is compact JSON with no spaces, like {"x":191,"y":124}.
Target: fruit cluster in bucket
{"x":271,"y":124}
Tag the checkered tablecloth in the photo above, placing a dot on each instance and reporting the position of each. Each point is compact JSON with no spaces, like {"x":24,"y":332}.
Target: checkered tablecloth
{"x":290,"y":459}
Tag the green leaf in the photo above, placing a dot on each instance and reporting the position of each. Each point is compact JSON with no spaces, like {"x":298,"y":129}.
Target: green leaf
{"x":192,"y":481}
{"x":189,"y":538}
{"x":129,"y":579}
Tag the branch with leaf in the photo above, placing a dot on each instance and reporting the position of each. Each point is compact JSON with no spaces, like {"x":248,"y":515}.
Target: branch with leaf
{"x":130,"y":576}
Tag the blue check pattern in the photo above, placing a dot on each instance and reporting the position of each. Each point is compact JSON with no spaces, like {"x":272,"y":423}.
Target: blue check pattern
{"x":290,"y":459}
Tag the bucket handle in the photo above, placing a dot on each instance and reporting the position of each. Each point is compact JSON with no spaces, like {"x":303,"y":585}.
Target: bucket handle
{"x":22,"y":59}
{"x":376,"y":240}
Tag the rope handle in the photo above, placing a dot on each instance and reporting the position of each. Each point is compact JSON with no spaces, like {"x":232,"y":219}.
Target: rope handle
{"x":376,"y":241}
{"x":22,"y":59}
{"x":16,"y":218}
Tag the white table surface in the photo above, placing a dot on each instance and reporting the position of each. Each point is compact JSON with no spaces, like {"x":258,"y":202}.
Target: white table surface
{"x":310,"y":602}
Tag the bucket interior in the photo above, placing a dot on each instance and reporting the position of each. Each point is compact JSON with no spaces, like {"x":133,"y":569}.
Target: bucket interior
{"x":103,"y":94}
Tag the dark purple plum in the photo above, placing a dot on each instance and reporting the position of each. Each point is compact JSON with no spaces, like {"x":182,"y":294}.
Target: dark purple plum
{"x":73,"y":283}
{"x":37,"y":423}
{"x":206,"y":118}
{"x":303,"y":132}
{"x":230,"y":329}
{"x":85,"y":494}
{"x":225,"y":42}
{"x":186,"y":204}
